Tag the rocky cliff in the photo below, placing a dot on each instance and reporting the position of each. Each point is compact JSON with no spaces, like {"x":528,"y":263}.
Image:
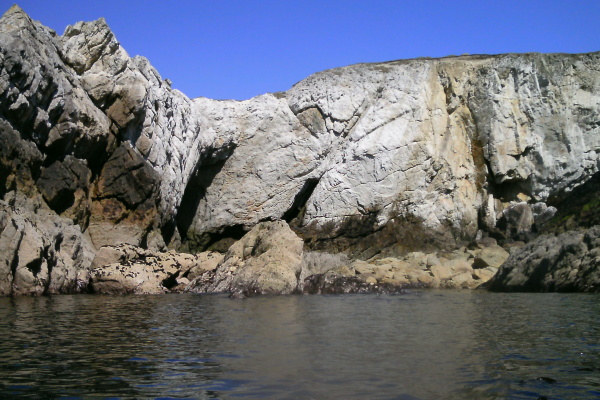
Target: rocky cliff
{"x":368,"y":159}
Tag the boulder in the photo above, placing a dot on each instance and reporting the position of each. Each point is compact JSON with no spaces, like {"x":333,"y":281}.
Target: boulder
{"x":267,"y":260}
{"x":569,"y":262}
{"x":518,"y":220}
{"x":493,"y":256}
{"x":484,"y":274}
{"x":441,"y":272}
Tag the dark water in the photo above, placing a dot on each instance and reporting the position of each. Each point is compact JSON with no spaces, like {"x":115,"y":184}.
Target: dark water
{"x":422,"y":345}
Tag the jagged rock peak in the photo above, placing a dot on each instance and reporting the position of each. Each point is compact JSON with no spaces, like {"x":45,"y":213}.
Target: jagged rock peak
{"x":14,"y":9}
{"x":14,"y":18}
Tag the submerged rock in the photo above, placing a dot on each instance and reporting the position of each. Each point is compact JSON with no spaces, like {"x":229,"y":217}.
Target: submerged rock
{"x":335,"y":284}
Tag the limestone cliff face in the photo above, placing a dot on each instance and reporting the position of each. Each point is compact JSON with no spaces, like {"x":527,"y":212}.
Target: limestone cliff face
{"x":399,"y":155}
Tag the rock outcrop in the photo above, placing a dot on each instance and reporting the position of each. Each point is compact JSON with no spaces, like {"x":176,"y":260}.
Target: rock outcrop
{"x":128,"y":269}
{"x":270,"y":260}
{"x":41,"y":253}
{"x":569,"y":262}
{"x":566,"y":257}
{"x":267,"y":260}
{"x":370,"y":159}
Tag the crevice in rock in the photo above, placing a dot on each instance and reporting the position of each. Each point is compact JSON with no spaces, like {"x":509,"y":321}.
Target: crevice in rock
{"x":15,"y":261}
{"x":223,"y":239}
{"x":62,"y":202}
{"x":90,"y":287}
{"x":509,"y":189}
{"x":168,"y":230}
{"x":194,"y":193}
{"x":4,"y":173}
{"x":51,"y":262}
{"x":298,"y":207}
{"x":207,"y":168}
{"x":35,"y":266}
{"x":170,"y":281}
{"x":219,"y":240}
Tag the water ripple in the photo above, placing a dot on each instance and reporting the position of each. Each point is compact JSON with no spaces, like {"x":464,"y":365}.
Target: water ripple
{"x":422,"y":345}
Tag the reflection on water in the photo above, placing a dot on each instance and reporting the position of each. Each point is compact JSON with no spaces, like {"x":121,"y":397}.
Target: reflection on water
{"x":421,"y":345}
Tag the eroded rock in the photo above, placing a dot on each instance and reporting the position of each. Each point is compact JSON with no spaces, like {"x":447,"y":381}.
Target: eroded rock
{"x":42,"y":253}
{"x":129,"y":269}
{"x":267,"y":260}
{"x":374,"y":160}
{"x":568,"y":262}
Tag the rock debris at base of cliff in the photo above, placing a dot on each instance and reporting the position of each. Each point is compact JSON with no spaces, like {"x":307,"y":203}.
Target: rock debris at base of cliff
{"x":414,"y":158}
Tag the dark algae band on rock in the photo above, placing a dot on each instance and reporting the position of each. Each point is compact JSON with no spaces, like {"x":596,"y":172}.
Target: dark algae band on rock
{"x":410,"y":173}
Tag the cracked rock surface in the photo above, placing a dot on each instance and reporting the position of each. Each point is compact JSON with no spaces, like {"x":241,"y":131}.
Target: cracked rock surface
{"x":369,"y":159}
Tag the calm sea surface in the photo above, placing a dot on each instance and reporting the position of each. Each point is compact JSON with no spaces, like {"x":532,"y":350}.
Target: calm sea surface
{"x":419,"y":345}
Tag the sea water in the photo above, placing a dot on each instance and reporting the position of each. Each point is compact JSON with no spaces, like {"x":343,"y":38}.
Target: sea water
{"x":416,"y":345}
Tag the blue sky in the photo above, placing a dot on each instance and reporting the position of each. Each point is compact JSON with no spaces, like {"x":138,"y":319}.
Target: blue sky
{"x":240,"y":49}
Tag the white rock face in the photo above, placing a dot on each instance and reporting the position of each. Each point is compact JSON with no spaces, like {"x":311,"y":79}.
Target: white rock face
{"x":427,"y":138}
{"x":437,"y":147}
{"x":42,"y":253}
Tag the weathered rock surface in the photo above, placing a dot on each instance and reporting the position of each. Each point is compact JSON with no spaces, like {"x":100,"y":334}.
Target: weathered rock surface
{"x":267,"y":260}
{"x":128,"y":269}
{"x":372,"y":159}
{"x":270,"y":260}
{"x":459,"y":269}
{"x":41,"y":253}
{"x":566,"y":257}
{"x":569,"y":262}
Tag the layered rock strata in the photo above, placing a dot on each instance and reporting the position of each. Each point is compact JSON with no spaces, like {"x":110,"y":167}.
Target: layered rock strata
{"x":370,"y":159}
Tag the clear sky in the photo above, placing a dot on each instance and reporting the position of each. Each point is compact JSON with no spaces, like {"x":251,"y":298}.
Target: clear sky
{"x":230,"y":49}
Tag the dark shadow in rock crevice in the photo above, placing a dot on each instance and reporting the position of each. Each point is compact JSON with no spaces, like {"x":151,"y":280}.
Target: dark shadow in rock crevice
{"x":208,"y":167}
{"x":194,"y":193}
{"x":170,"y":281}
{"x":219,"y":240}
{"x":296,"y":210}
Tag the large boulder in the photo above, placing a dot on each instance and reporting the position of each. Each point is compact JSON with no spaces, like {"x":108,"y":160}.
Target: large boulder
{"x":569,"y":262}
{"x":267,"y":260}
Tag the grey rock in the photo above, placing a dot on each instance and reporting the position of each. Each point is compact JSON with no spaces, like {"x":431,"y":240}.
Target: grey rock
{"x":65,"y":187}
{"x":542,"y":214}
{"x":564,"y":263}
{"x":518,"y":220}
{"x":370,"y":159}
{"x":42,"y":253}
